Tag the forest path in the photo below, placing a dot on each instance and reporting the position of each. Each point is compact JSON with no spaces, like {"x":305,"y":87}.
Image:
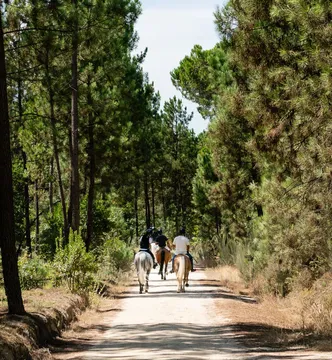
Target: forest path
{"x":166,"y":325}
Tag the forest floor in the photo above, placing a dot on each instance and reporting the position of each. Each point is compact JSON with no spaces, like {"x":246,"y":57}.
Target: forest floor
{"x":209,"y":321}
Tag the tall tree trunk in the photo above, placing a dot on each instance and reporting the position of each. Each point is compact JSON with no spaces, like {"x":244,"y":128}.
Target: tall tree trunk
{"x":50,"y":186}
{"x":70,"y":205}
{"x":37,"y":216}
{"x":136,"y":210}
{"x":147,"y":202}
{"x":153,"y":204}
{"x":216,"y":215}
{"x":7,"y":234}
{"x":176,"y":202}
{"x":26,"y":179}
{"x":75,"y":188}
{"x":163,"y":199}
{"x":92,"y":171}
{"x":56,"y":150}
{"x":57,"y":163}
{"x":27,"y":206}
{"x":181,"y":203}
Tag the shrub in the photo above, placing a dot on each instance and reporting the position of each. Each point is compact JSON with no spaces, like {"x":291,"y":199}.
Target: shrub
{"x":115,"y":256}
{"x":34,"y":272}
{"x":73,"y":265}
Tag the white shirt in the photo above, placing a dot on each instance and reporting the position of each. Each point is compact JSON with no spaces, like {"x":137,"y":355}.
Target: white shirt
{"x":181,"y":242}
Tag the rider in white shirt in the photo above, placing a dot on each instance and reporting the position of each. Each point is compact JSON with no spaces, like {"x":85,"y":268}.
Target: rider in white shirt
{"x":181,"y":246}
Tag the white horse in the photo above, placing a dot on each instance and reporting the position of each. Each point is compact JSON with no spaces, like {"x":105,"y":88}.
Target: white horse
{"x":143,"y":263}
{"x":182,"y":267}
{"x":154,"y":248}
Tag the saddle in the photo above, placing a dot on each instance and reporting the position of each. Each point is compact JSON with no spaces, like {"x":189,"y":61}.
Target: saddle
{"x":181,"y":255}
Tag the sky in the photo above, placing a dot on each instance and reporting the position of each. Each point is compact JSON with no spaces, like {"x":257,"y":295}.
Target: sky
{"x":170,"y":29}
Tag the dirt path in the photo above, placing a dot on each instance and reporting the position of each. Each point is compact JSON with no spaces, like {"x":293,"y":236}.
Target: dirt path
{"x":165,"y":325}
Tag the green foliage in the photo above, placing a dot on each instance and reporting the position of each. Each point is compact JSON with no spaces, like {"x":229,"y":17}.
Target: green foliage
{"x":115,"y":257}
{"x":34,"y":271}
{"x":18,"y":188}
{"x":200,"y":76}
{"x":281,"y":99}
{"x":73,"y":266}
{"x":51,"y":228}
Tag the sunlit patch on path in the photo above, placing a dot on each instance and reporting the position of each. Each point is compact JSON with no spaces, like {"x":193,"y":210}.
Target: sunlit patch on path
{"x":166,"y":325}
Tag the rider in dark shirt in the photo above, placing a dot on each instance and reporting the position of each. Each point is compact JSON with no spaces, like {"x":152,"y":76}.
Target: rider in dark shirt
{"x":145,"y":244}
{"x":161,"y":239}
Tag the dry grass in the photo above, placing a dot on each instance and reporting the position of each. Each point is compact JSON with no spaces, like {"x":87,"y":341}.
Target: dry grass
{"x":57,"y":307}
{"x":230,"y":277}
{"x":304,"y":316}
{"x":89,"y":323}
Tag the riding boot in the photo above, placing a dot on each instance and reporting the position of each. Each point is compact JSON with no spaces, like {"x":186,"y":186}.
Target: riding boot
{"x":172,"y":270}
{"x":192,"y":263}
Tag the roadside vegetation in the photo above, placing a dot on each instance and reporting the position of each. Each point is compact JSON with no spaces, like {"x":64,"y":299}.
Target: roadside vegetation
{"x":90,"y":158}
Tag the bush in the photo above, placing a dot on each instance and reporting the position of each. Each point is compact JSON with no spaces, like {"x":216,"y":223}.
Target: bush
{"x":34,"y":272}
{"x":115,"y":256}
{"x":73,"y":265}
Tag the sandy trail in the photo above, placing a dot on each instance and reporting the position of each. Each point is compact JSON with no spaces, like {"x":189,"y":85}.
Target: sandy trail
{"x":166,"y":325}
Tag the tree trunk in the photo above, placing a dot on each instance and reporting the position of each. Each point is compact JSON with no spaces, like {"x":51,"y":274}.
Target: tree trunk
{"x":92,"y":171}
{"x":26,"y":179}
{"x":136,"y":210}
{"x":37,"y":216}
{"x":7,"y":237}
{"x":163,"y":199}
{"x":216,"y":215}
{"x":153,"y":204}
{"x":70,"y":205}
{"x":57,"y":163}
{"x":56,"y":151}
{"x":75,"y":188}
{"x":27,"y":207}
{"x":50,"y":186}
{"x":147,"y":202}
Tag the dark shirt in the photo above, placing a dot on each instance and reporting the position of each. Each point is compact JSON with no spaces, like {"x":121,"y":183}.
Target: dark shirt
{"x":144,"y":242}
{"x":161,"y":240}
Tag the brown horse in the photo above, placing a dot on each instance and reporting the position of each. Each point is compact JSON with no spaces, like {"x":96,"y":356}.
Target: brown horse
{"x":163,"y":257}
{"x":182,"y":267}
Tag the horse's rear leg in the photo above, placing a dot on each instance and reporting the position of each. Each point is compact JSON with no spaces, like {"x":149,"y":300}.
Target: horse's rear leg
{"x":140,"y":288}
{"x":166,"y":272}
{"x":147,"y":282}
{"x":186,"y":279}
{"x":161,"y":269}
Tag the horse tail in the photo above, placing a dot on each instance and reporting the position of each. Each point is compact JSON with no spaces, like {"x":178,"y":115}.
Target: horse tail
{"x":162,"y":260}
{"x":140,"y":266}
{"x":182,"y":268}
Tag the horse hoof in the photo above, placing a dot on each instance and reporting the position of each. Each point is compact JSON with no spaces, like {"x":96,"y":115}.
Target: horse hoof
{"x":165,"y":278}
{"x":187,"y":284}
